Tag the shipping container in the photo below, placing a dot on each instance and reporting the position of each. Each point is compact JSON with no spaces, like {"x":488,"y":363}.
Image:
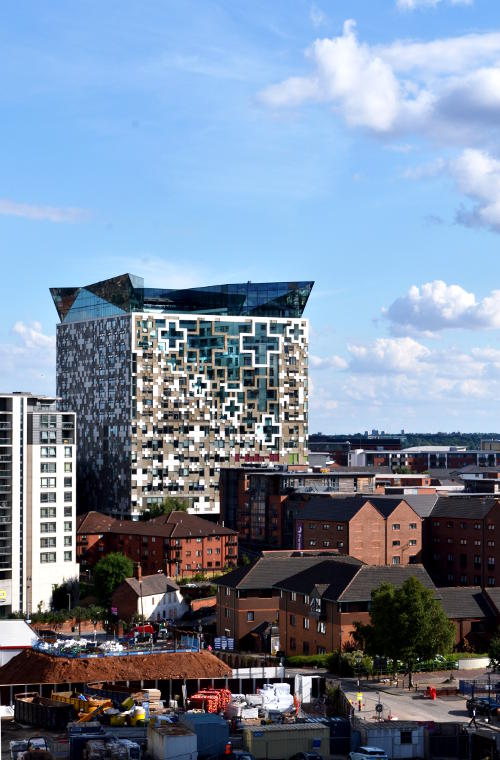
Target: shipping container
{"x":279,"y":742}
{"x":172,"y":741}
{"x":211,"y":730}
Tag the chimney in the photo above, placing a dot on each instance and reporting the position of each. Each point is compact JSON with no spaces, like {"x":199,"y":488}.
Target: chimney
{"x":137,"y":571}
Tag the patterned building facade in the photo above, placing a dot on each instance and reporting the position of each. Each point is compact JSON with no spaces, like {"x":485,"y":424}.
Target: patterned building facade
{"x":164,"y":399}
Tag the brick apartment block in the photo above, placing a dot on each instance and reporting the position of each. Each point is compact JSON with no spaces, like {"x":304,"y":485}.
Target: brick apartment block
{"x":178,"y":544}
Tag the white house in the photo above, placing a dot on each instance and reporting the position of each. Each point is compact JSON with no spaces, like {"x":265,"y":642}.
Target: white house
{"x":154,"y":597}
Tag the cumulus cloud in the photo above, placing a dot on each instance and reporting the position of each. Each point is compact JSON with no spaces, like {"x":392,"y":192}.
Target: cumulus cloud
{"x":477,"y":175}
{"x":387,"y":355}
{"x":328,"y":362}
{"x":42,"y":213}
{"x":437,"y":306}
{"x":28,"y":361}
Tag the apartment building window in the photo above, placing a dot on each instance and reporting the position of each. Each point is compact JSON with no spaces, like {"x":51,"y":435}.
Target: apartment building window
{"x":450,"y":557}
{"x":321,"y":626}
{"x":306,"y":623}
{"x":491,"y":561}
{"x":47,"y":466}
{"x":396,"y":543}
{"x":68,"y":496}
{"x":227,"y":612}
{"x":47,"y":482}
{"x":47,"y":557}
{"x":306,"y":599}
{"x":47,"y":451}
{"x":68,"y":451}
{"x":436,"y":523}
{"x":491,"y":543}
{"x":68,"y":526}
{"x":491,"y":526}
{"x":320,"y":650}
{"x":451,"y":577}
{"x":292,"y":619}
{"x":477,"y":560}
{"x":48,"y":498}
{"x":48,"y":436}
{"x":312,"y":526}
{"x":68,"y":556}
{"x":463,"y":541}
{"x":326,"y":526}
{"x":312,"y":542}
{"x":412,"y":542}
{"x":217,"y":551}
{"x":396,"y":526}
{"x":477,"y":580}
{"x":463,"y":525}
{"x":477,"y":542}
{"x":340,"y":544}
{"x":436,"y":540}
{"x":293,"y":596}
{"x":327,"y":543}
{"x":396,"y":560}
{"x":293,"y":643}
{"x":413,"y":526}
{"x":48,"y":421}
{"x":68,"y":482}
{"x":47,"y":512}
{"x":491,"y":581}
{"x":209,"y":551}
{"x":68,"y":467}
{"x":449,"y":524}
{"x":228,"y":591}
{"x":199,"y":540}
{"x":68,"y":541}
{"x":340,"y":527}
{"x":436,"y":556}
{"x":250,"y":616}
{"x":198,"y":553}
{"x":48,"y":527}
{"x":449,"y":541}
{"x":477,"y":526}
{"x":47,"y":543}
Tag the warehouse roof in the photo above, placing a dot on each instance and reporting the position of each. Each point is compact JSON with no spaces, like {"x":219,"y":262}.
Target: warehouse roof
{"x":329,"y":577}
{"x":468,"y":507}
{"x":464,"y":602}
{"x":273,"y":567}
{"x":174,"y":525}
{"x":370,"y":577}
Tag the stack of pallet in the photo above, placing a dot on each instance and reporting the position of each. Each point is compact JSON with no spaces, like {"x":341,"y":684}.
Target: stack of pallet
{"x":153,"y":696}
{"x":211,"y":700}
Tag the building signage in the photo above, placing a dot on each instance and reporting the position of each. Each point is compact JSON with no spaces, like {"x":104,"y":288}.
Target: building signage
{"x":299,"y":537}
{"x":3,"y":595}
{"x":223,"y":642}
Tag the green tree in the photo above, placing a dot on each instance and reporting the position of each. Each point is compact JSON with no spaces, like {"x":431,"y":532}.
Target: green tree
{"x":60,"y":593}
{"x":494,"y":651}
{"x":407,"y":624}
{"x":168,"y":505}
{"x":109,"y":572}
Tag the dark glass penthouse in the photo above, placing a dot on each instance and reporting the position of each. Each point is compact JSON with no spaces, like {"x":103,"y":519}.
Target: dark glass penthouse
{"x":170,"y":385}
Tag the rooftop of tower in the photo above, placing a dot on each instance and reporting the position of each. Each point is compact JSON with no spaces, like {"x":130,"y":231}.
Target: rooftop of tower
{"x":126,"y":293}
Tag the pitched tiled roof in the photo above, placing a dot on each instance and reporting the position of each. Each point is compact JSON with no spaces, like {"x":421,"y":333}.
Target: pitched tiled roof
{"x":331,"y":508}
{"x":370,"y":577}
{"x":152,"y":584}
{"x":468,"y":507}
{"x":465,"y":602}
{"x":173,"y":525}
{"x":421,"y":503}
{"x":330,"y":577}
{"x":272,"y":568}
{"x":493,"y":595}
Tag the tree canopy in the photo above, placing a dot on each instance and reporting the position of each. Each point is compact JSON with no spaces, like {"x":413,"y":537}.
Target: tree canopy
{"x":109,"y":572}
{"x":168,"y":505}
{"x":407,"y":624}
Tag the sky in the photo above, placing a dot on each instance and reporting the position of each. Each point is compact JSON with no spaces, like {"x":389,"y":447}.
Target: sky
{"x":196,"y":142}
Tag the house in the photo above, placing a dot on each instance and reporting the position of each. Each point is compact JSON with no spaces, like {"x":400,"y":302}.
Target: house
{"x":152,"y":597}
{"x":179,"y":544}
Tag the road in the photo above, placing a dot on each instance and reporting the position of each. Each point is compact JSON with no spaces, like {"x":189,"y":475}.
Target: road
{"x":405,"y":705}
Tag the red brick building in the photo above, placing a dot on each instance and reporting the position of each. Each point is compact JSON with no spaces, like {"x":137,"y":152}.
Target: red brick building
{"x":462,"y":537}
{"x":377,"y":531}
{"x":178,"y":544}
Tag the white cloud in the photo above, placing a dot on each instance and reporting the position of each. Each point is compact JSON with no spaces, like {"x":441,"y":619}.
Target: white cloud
{"x":411,"y":5}
{"x":33,"y":336}
{"x":42,"y":213}
{"x":28,"y":363}
{"x":317,"y":16}
{"x":329,"y":362}
{"x":477,"y":175}
{"x":387,"y":355}
{"x":436,"y":306}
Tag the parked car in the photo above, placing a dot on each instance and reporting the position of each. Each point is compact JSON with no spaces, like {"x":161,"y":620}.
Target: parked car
{"x":306,"y":756}
{"x":368,"y":753}
{"x":483,"y":705}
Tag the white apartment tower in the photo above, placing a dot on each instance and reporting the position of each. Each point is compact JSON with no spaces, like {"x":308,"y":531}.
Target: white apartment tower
{"x":37,"y":500}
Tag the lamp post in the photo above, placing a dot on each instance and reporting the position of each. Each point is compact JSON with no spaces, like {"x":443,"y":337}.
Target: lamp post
{"x":69,"y":602}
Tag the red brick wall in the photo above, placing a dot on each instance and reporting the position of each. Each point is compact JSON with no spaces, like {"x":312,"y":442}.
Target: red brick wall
{"x":403,"y":516}
{"x":367,"y":535}
{"x":236,"y":618}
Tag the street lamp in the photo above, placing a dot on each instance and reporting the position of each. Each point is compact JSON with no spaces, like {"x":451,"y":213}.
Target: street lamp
{"x":69,"y":602}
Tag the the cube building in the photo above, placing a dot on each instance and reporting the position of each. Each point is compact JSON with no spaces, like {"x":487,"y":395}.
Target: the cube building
{"x":170,"y":385}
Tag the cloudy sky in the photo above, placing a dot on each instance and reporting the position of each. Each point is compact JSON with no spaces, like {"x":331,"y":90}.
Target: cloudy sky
{"x":200,"y":141}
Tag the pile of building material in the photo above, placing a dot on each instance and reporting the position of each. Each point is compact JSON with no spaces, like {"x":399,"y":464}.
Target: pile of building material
{"x":150,"y":699}
{"x":276,"y":697}
{"x":240,"y":707}
{"x":211,"y":700}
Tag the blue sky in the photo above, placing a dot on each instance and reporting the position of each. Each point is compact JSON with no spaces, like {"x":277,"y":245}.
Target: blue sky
{"x":355,"y":143}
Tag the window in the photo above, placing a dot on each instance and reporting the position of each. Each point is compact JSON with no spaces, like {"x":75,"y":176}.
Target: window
{"x":449,"y":541}
{"x":477,"y":560}
{"x":326,"y":526}
{"x":68,"y":526}
{"x":463,"y":525}
{"x":491,"y":581}
{"x":227,"y":612}
{"x":491,"y":561}
{"x":47,"y":512}
{"x":47,"y":467}
{"x":449,"y":524}
{"x":68,"y":541}
{"x":396,"y":561}
{"x":312,"y":526}
{"x":48,"y":451}
{"x":68,"y":467}
{"x":463,"y":579}
{"x":47,"y":542}
{"x":293,"y":596}
{"x":68,"y":496}
{"x":47,"y":557}
{"x":477,"y":526}
{"x":450,"y":557}
{"x":68,"y":452}
{"x":250,"y":616}
{"x":48,"y":527}
{"x":321,"y":626}
{"x":340,"y":527}
{"x":436,"y":556}
{"x":436,"y":540}
{"x":491,"y":543}
{"x":477,"y":542}
{"x":306,"y":623}
{"x":436,"y":523}
{"x":68,"y":556}
{"x":340,"y":544}
{"x":463,"y":541}
{"x":327,"y":543}
{"x":413,"y":526}
{"x":47,"y":482}
{"x":209,"y":551}
{"x":48,"y":498}
{"x":228,"y":591}
{"x":320,"y":650}
{"x":412,"y":542}
{"x":312,"y":542}
{"x":491,"y":526}
{"x":293,"y":643}
{"x":68,"y":482}
{"x":396,"y":543}
{"x":306,"y":599}
{"x":396,"y":526}
{"x":292,"y":619}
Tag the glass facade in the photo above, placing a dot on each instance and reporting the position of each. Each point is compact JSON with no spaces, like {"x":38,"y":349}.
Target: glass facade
{"x":126,"y":293}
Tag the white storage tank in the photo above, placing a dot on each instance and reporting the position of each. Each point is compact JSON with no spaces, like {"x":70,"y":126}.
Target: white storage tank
{"x":172,"y":741}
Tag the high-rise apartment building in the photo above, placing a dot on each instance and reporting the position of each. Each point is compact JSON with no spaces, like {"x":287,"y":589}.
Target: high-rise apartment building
{"x":37,"y":500}
{"x":169,"y":385}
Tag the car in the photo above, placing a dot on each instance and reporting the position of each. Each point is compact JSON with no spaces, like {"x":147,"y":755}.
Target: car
{"x":368,"y":753}
{"x":306,"y":756}
{"x":483,"y":705}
